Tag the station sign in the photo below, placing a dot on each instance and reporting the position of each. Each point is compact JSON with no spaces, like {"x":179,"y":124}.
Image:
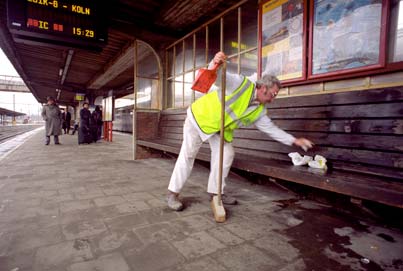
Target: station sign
{"x":79,"y":97}
{"x":70,"y":23}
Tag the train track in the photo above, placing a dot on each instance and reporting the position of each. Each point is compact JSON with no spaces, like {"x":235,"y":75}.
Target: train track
{"x":8,"y":132}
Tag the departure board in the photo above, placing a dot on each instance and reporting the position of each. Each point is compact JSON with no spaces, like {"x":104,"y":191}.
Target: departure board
{"x":68,"y":22}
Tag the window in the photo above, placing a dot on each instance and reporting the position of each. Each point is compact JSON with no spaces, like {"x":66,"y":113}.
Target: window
{"x":249,"y":62}
{"x":148,"y":77}
{"x":249,"y":18}
{"x":396,"y":32}
{"x":214,"y":34}
{"x":200,"y":53}
{"x":307,"y":44}
{"x":239,"y":42}
{"x":230,"y":33}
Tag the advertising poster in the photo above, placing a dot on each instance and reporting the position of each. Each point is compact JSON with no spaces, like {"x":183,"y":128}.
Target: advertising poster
{"x":346,"y":34}
{"x":282,"y":38}
{"x":108,"y":106}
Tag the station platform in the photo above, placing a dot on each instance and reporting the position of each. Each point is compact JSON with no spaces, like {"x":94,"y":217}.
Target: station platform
{"x":77,"y":207}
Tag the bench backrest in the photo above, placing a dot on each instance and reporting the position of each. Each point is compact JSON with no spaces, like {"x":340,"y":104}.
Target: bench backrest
{"x":360,"y":131}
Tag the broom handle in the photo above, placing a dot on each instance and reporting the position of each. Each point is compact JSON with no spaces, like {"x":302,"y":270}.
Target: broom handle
{"x":220,"y":168}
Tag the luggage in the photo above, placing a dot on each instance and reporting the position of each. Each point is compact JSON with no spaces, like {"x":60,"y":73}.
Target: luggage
{"x":84,"y":135}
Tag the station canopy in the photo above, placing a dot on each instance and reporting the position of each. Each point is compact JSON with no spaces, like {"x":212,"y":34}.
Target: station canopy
{"x":72,"y":46}
{"x":7,"y":112}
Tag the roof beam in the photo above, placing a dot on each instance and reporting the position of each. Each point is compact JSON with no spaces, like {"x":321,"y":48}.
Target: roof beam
{"x":123,"y":61}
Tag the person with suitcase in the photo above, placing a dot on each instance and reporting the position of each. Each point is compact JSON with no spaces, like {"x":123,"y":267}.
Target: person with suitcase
{"x":84,"y":131}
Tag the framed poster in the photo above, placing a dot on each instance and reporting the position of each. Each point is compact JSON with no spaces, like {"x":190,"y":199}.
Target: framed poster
{"x":282,"y":39}
{"x":108,"y":105}
{"x":346,"y":36}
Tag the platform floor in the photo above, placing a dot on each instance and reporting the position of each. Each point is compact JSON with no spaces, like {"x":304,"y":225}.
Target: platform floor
{"x":89,"y":207}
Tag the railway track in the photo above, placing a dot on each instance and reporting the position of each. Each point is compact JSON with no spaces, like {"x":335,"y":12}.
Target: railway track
{"x":8,"y":132}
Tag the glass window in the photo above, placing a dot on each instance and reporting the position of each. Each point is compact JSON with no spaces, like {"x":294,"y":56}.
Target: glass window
{"x":169,"y":94}
{"x":396,"y":31}
{"x":249,"y":63}
{"x":282,"y":38}
{"x":145,"y":92}
{"x":189,"y":53}
{"x":179,"y":58}
{"x":213,"y":40}
{"x":201,"y":48}
{"x":170,"y":62}
{"x":146,"y":62}
{"x":249,"y":18}
{"x":147,"y":77}
{"x":346,"y":34}
{"x":232,"y":65}
{"x":188,"y":99}
{"x":178,"y":92}
{"x":231,"y":33}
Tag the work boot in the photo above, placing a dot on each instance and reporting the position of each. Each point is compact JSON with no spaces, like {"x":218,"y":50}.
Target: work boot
{"x":174,"y":203}
{"x":227,"y":200}
{"x":47,"y":141}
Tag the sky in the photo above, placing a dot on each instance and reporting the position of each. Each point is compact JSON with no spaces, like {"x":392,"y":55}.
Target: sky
{"x":24,"y":102}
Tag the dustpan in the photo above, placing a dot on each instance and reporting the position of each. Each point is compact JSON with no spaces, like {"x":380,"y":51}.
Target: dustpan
{"x":205,"y":79}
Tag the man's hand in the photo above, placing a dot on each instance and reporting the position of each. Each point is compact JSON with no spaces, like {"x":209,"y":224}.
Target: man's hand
{"x":219,"y":58}
{"x":304,"y":143}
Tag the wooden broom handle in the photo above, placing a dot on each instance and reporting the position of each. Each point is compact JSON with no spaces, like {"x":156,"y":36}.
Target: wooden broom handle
{"x":220,"y":168}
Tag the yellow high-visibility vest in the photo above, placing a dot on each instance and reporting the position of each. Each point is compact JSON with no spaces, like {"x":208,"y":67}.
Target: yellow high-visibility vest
{"x":207,"y":110}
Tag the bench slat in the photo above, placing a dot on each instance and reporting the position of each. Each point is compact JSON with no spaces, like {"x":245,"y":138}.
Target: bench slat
{"x":386,"y":110}
{"x":391,"y":94}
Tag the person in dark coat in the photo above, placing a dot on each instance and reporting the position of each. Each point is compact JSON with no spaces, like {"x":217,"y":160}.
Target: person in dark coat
{"x":63,"y":120}
{"x":67,"y":119}
{"x":97,"y":123}
{"x":84,"y":132}
{"x":51,"y":114}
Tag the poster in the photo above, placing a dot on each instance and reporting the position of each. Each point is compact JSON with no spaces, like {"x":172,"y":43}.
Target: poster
{"x":346,"y":34}
{"x":108,"y":107}
{"x":282,"y":38}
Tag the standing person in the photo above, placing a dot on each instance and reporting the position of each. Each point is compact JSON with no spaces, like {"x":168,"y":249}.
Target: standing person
{"x":97,"y":123}
{"x":51,"y":114}
{"x":63,"y":120}
{"x":68,"y":121}
{"x":246,"y":104}
{"x":84,"y":132}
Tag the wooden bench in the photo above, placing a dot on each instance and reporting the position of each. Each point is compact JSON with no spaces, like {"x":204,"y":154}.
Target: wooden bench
{"x":360,"y":133}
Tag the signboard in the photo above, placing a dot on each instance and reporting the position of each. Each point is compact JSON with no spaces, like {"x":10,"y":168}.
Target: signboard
{"x":346,"y":36}
{"x":72,"y":23}
{"x":282,"y":38}
{"x":107,"y":110}
{"x":79,"y":97}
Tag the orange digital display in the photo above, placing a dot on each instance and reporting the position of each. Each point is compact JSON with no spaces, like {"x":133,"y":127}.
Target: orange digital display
{"x":54,"y":21}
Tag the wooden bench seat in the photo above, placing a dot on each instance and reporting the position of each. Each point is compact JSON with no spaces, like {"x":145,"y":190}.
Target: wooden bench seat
{"x":360,"y":133}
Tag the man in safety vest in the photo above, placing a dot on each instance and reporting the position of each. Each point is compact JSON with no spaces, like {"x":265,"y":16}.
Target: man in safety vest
{"x":245,"y":105}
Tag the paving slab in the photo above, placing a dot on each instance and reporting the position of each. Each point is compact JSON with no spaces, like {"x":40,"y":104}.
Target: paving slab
{"x":90,"y":207}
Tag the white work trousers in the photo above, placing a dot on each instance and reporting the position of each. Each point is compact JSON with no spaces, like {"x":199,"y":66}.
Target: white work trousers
{"x":190,"y":147}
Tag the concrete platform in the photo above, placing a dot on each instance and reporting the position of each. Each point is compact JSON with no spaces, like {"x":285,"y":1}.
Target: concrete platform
{"x":89,"y":207}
